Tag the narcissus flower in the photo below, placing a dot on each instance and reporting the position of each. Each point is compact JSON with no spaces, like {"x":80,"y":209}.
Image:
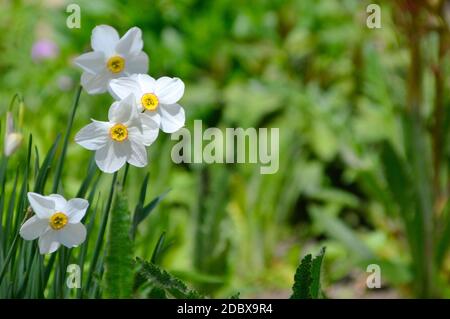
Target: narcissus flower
{"x":56,"y":221}
{"x":122,"y":139}
{"x":112,"y":57}
{"x":157,"y":98}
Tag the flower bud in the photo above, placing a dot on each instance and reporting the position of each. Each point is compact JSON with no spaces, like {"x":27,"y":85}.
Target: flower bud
{"x":13,"y":140}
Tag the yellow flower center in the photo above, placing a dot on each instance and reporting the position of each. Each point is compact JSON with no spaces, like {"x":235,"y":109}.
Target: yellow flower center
{"x":58,"y":220}
{"x":118,"y":132}
{"x":116,"y":64}
{"x":149,"y":101}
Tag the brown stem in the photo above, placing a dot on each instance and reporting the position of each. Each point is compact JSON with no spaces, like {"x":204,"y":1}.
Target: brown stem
{"x":438,"y":117}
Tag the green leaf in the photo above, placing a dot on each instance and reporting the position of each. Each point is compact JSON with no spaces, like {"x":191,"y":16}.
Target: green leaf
{"x":302,"y":279}
{"x":158,"y":248}
{"x":92,"y":169}
{"x":157,"y":293}
{"x":119,"y":253}
{"x":163,"y":280}
{"x":315,"y":274}
{"x":59,"y":166}
{"x":45,"y":167}
{"x":95,"y":261}
{"x":337,"y":229}
{"x":141,"y":212}
{"x":397,"y":179}
{"x":307,"y":277}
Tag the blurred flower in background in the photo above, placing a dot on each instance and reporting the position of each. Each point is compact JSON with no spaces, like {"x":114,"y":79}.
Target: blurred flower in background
{"x":65,"y":83}
{"x":44,"y":49}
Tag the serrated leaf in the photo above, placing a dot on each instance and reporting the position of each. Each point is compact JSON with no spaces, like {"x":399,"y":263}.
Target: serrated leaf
{"x":157,"y":293}
{"x":164,"y":280}
{"x":118,"y":270}
{"x":307,"y":277}
{"x":302,"y":279}
{"x":315,"y":274}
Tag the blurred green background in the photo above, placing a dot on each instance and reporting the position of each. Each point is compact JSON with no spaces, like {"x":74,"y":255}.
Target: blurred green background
{"x":335,"y":88}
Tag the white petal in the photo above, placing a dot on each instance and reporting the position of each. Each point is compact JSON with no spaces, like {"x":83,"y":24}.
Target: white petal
{"x":122,"y":87}
{"x":76,"y":209}
{"x":150,"y":127}
{"x":124,"y":112}
{"x":96,"y":83}
{"x":172,"y":117}
{"x":169,"y":90}
{"x":104,"y":38}
{"x":12,"y":143}
{"x":92,"y":62}
{"x":93,"y":136}
{"x":60,"y":202}
{"x":33,"y":228}
{"x":113,"y":156}
{"x":48,"y":242}
{"x":138,"y":156}
{"x":137,"y":64}
{"x":131,"y":43}
{"x":43,"y":206}
{"x":72,"y":235}
{"x":146,"y":83}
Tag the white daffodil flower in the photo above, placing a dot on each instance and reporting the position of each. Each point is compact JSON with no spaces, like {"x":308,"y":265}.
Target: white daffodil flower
{"x":56,"y":221}
{"x":157,"y":98}
{"x":112,"y":57}
{"x":122,"y":139}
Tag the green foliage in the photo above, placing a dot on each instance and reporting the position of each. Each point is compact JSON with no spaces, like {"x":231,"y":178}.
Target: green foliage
{"x":119,"y":254}
{"x":141,"y":212}
{"x":316,"y":268}
{"x":163,"y":280}
{"x":357,"y":173}
{"x":303,"y":279}
{"x":211,"y":245}
{"x":307,"y":277}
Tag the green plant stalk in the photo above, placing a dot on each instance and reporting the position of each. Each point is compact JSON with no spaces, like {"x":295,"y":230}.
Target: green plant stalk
{"x":414,"y":100}
{"x":438,"y":137}
{"x":62,"y":157}
{"x":100,"y":237}
{"x":119,"y":253}
{"x":8,"y":258}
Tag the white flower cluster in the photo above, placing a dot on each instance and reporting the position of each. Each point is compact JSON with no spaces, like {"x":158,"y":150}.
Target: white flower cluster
{"x":144,"y":104}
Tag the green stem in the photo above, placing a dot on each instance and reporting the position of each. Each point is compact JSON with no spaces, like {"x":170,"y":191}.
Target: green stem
{"x":101,"y":233}
{"x":439,"y":114}
{"x":11,"y":251}
{"x":8,"y":258}
{"x":59,"y":167}
{"x":424,"y":263}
